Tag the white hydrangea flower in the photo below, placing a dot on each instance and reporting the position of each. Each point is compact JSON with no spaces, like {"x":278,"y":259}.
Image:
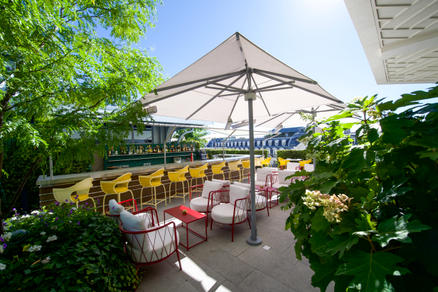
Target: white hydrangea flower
{"x":2,"y":267}
{"x":34,"y":248}
{"x":25,"y":216}
{"x":52,"y":238}
{"x":46,"y":260}
{"x":35,"y":212}
{"x":42,"y":233}
{"x":7,"y":236}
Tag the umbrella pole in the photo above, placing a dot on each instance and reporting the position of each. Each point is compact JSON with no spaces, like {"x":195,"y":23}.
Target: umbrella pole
{"x":253,"y":239}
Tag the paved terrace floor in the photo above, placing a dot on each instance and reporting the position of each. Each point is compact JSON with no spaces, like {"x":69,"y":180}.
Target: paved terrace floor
{"x":222,"y":265}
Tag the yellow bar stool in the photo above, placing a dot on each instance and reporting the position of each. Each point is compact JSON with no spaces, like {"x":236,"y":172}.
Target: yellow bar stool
{"x":176,"y":177}
{"x":116,"y":186}
{"x":198,"y":173}
{"x":266,"y":162}
{"x":233,"y":167}
{"x":304,"y":162}
{"x":245,"y":166}
{"x":282,"y":163}
{"x":153,"y":181}
{"x":217,"y":169}
{"x":78,"y":192}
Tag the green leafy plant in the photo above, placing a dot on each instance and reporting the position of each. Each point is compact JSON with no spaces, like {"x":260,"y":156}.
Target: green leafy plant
{"x":367,"y":218}
{"x":70,"y":83}
{"x":64,"y":248}
{"x":294,"y":154}
{"x":211,"y":152}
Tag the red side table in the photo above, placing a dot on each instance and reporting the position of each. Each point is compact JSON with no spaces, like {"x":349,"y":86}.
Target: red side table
{"x":189,"y":217}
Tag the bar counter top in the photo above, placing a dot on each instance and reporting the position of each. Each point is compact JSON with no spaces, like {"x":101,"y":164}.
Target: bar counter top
{"x":47,"y":181}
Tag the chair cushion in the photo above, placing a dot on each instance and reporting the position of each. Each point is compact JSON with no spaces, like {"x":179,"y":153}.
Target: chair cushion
{"x":309,"y":167}
{"x":279,"y":185}
{"x":138,"y":222}
{"x":237,"y":192}
{"x":152,"y":246}
{"x":244,"y":185}
{"x":293,"y":166}
{"x":199,"y":204}
{"x":114,"y":207}
{"x":210,"y":186}
{"x":223,"y":213}
{"x":282,"y":175}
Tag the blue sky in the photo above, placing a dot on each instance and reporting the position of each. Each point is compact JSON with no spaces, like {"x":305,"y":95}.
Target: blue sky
{"x":315,"y":37}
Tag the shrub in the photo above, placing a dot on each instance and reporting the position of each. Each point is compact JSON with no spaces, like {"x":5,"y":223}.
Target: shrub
{"x":367,"y":218}
{"x":294,"y":154}
{"x":64,"y":248}
{"x":211,"y":152}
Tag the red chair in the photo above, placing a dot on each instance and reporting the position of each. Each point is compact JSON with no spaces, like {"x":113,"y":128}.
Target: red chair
{"x":234,"y":212}
{"x":205,"y":202}
{"x":146,"y":241}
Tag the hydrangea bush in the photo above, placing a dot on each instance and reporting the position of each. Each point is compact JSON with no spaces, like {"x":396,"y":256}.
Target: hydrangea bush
{"x":62,"y":247}
{"x":367,"y":218}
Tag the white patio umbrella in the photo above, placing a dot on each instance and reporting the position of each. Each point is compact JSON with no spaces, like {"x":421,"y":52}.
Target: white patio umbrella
{"x":231,"y":83}
{"x":293,"y":118}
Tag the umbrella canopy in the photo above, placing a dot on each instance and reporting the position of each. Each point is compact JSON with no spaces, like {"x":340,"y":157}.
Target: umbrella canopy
{"x":212,"y":88}
{"x":235,"y":82}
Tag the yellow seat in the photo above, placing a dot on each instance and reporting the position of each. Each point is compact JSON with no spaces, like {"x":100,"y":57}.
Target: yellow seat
{"x":153,"y":181}
{"x":245,"y":166}
{"x":303,"y":162}
{"x":266,"y":162}
{"x":116,"y":186}
{"x":76,"y":193}
{"x":234,"y":166}
{"x":282,"y":163}
{"x":217,"y":169}
{"x":198,"y":173}
{"x":176,"y":177}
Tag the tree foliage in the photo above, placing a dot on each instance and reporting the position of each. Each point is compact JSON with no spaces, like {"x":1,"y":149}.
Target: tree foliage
{"x":194,"y":135}
{"x":69,"y":79}
{"x":367,"y":218}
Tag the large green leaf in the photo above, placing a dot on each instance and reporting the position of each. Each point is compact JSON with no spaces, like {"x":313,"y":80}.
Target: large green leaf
{"x":369,"y":270}
{"x":341,"y":244}
{"x":398,"y":228}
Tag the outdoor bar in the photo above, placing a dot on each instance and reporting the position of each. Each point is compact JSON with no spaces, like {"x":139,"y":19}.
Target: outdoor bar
{"x":47,"y":183}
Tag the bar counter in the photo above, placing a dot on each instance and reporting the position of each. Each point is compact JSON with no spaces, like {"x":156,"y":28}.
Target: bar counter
{"x":46,"y":183}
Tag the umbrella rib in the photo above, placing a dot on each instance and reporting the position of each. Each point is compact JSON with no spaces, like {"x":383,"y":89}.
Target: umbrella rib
{"x":285,"y":76}
{"x":297,"y":86}
{"x":290,"y":83}
{"x":261,"y":97}
{"x":208,"y":79}
{"x":274,"y":117}
{"x":216,"y":95}
{"x":278,"y":88}
{"x":229,"y":88}
{"x":235,"y":102}
{"x":185,"y":90}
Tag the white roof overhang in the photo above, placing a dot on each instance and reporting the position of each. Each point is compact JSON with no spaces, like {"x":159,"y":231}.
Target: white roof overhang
{"x":400,"y":38}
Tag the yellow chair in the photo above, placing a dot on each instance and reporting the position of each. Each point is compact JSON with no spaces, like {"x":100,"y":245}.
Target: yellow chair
{"x":217,"y":169}
{"x":282,"y":163}
{"x":176,"y":177}
{"x":76,"y":193}
{"x":153,"y":181}
{"x":245,"y":166}
{"x":198,"y":173}
{"x":266,"y":162}
{"x":116,"y":186}
{"x":234,"y":166}
{"x":303,"y":162}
